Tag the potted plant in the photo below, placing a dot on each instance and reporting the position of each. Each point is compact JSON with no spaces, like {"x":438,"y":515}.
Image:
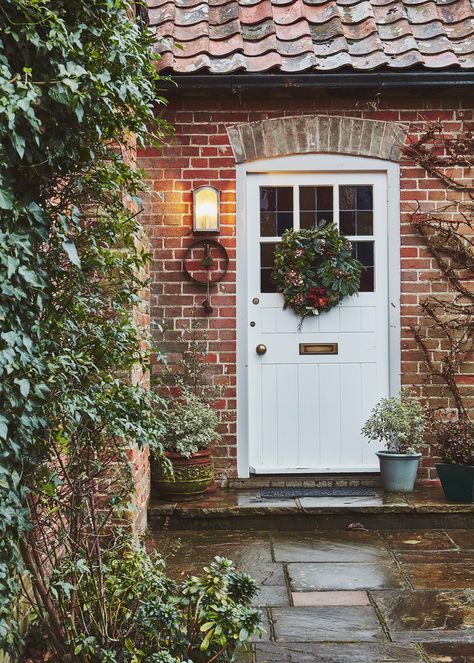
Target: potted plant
{"x":400,"y":423}
{"x":455,"y":446}
{"x":190,"y":431}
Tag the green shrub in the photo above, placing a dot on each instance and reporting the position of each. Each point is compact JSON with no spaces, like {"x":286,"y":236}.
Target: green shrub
{"x":190,"y":425}
{"x":399,"y":422}
{"x":455,"y":441}
{"x":138,"y":615}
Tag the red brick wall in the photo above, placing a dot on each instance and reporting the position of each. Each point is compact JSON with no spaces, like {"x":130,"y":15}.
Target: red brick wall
{"x":200,"y":154}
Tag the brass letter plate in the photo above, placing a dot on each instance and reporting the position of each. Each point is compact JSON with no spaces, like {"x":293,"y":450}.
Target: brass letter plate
{"x":319,"y":349}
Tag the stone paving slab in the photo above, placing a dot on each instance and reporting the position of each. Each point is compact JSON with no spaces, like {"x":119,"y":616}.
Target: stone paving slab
{"x":267,"y":574}
{"x":463,"y":538}
{"x":439,"y":575}
{"x":352,"y":546}
{"x":314,"y":576}
{"x":449,"y":653}
{"x":244,"y":548}
{"x":323,"y":624}
{"x":436,"y":557}
{"x":422,"y":616}
{"x":330,"y":598}
{"x":361,"y":652}
{"x":421,"y":582}
{"x":423,"y":540}
{"x":272,"y":596}
{"x":235,"y":503}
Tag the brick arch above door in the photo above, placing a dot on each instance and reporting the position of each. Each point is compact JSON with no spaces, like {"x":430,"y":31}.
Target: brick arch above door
{"x":306,"y":134}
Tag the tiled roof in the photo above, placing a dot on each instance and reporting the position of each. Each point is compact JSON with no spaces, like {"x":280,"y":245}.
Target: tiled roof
{"x":227,"y":36}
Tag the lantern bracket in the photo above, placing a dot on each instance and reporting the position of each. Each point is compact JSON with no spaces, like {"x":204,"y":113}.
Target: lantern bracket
{"x":204,"y":276}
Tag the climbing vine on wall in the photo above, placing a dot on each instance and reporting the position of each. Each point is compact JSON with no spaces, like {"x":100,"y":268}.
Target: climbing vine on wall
{"x":445,"y":334}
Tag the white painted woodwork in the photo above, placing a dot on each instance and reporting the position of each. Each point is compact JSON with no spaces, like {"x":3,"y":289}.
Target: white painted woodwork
{"x":305,"y":412}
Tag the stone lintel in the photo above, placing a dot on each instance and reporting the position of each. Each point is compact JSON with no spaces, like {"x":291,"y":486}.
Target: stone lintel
{"x":305,"y":134}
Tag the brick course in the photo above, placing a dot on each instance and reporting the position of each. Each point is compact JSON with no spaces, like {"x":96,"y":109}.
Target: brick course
{"x":200,"y":153}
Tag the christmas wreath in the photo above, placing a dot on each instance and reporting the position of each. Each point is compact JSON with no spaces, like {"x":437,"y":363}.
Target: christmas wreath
{"x":314,"y":269}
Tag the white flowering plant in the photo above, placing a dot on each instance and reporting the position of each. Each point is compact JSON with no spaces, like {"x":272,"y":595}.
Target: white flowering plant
{"x":191,"y":425}
{"x":399,"y":422}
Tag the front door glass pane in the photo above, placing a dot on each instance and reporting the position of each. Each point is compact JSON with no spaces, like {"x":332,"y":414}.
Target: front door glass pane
{"x":356,"y":210}
{"x":316,"y":205}
{"x":276,"y":216}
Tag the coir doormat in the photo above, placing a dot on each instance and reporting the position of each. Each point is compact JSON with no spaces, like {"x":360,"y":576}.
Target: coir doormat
{"x":336,"y":491}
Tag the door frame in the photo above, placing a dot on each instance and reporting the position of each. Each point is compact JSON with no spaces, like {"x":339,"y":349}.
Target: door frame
{"x":312,"y":163}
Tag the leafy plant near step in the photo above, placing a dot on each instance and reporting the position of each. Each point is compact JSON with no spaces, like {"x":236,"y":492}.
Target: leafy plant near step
{"x":455,"y":442}
{"x":190,"y":425}
{"x":139,"y":615}
{"x":399,"y":422}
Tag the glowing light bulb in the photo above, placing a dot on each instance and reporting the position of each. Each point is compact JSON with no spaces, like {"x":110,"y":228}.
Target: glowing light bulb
{"x":206,"y":212}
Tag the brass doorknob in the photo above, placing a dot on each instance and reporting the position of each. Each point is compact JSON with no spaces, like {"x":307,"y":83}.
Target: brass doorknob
{"x":261,"y":349}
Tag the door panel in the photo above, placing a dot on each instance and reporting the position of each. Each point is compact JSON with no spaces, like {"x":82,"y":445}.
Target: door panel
{"x":306,"y":410}
{"x":330,"y":415}
{"x":308,"y":414}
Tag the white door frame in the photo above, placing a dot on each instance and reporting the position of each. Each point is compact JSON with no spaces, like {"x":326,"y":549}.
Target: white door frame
{"x":313,"y":163}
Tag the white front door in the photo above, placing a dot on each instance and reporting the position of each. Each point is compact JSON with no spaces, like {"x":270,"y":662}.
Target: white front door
{"x":311,"y":391}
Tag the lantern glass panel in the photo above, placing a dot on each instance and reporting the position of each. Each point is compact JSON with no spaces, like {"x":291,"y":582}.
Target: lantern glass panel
{"x":206,"y":210}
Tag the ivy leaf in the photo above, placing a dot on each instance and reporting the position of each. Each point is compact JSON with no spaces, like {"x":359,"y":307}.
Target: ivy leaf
{"x":12,"y":264}
{"x":24,"y":385}
{"x":29,"y":276}
{"x":3,"y":428}
{"x":19,"y":143}
{"x":36,"y":211}
{"x":6,"y":199}
{"x":71,"y":251}
{"x":10,"y":337}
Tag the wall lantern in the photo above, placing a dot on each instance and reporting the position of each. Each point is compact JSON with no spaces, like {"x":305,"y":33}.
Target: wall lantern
{"x":206,"y":210}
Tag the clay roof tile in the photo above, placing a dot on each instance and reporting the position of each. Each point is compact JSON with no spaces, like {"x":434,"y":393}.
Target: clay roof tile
{"x":227,"y":36}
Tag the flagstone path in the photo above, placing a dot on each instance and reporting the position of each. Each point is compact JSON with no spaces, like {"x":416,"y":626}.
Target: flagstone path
{"x":348,"y":596}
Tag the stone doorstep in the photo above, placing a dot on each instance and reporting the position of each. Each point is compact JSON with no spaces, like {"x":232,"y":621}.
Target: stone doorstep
{"x":235,"y":509}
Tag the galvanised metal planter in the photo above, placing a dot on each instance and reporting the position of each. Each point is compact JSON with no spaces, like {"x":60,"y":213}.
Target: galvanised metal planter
{"x":457,"y":481}
{"x":398,"y":471}
{"x":190,"y":479}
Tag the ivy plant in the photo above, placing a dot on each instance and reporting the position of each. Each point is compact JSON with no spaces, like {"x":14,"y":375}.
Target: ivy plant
{"x":78,"y":91}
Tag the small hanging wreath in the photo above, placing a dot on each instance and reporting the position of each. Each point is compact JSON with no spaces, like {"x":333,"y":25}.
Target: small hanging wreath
{"x":314,"y":269}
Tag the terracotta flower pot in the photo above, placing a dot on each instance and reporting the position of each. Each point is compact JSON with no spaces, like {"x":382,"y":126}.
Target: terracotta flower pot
{"x":190,"y":479}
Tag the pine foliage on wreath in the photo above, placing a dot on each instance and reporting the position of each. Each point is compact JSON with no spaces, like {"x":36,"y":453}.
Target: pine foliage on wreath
{"x":314,"y":269}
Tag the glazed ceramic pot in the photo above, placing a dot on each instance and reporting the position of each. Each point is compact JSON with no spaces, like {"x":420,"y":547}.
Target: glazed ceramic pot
{"x":190,"y":479}
{"x":398,"y":471}
{"x":457,"y":482}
